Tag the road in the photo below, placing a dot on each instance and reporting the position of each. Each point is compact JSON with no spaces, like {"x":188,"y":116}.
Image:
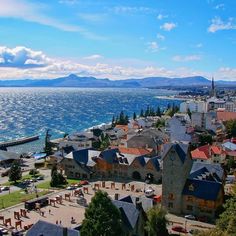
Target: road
{"x":188,"y":224}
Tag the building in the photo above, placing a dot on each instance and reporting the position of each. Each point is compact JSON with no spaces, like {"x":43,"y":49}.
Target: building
{"x":111,"y":163}
{"x":43,"y":228}
{"x":193,"y":106}
{"x":209,"y":154}
{"x":177,"y":164}
{"x":186,"y":184}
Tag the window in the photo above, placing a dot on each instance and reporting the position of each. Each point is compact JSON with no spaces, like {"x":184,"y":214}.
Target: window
{"x":189,"y":198}
{"x":171,"y":196}
{"x":191,"y":187}
{"x":170,"y":205}
{"x":189,"y":207}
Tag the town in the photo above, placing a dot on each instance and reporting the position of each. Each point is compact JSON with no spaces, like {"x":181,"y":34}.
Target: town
{"x":160,"y":172}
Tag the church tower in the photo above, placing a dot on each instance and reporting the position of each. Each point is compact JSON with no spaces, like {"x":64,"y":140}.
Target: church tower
{"x":213,"y":90}
{"x":177,"y":163}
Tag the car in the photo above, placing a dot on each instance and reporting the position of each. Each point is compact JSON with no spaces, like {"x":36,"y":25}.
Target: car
{"x":84,"y":182}
{"x":40,"y":177}
{"x":5,"y":188}
{"x":190,"y":217}
{"x":149,"y":192}
{"x":179,"y":229}
{"x":71,"y":188}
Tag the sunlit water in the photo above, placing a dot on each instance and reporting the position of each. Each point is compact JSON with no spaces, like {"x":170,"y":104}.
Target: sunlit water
{"x":31,"y":111}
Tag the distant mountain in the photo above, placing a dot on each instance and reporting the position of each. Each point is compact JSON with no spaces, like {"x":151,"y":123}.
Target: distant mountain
{"x":92,"y":82}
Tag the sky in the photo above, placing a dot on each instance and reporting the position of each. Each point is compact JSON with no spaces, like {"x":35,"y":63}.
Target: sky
{"x":117,"y":39}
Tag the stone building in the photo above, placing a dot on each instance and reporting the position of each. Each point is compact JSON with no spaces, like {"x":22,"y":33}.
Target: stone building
{"x":177,"y":164}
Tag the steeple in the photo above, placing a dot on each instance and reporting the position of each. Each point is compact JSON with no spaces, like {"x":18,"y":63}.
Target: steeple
{"x":213,"y":91}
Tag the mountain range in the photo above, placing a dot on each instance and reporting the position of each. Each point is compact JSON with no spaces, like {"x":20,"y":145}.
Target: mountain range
{"x":91,"y":82}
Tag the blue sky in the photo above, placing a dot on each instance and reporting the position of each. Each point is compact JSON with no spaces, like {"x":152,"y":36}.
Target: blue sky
{"x":117,"y":39}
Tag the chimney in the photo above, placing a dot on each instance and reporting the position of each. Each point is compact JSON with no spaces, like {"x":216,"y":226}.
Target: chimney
{"x":65,"y":231}
{"x":138,"y":203}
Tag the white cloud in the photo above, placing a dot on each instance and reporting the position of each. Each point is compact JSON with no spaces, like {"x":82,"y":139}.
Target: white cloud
{"x":161,"y":16}
{"x":161,"y":37}
{"x":131,"y":10}
{"x":69,"y":2}
{"x":27,"y":63}
{"x":153,"y":46}
{"x":220,"y":6}
{"x":22,"y":57}
{"x":94,"y":18}
{"x":179,"y":58}
{"x":93,"y":57}
{"x":218,"y":24}
{"x":168,"y":26}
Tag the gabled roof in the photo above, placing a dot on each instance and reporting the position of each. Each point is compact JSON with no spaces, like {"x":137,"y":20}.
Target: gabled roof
{"x":68,"y":149}
{"x":147,"y":203}
{"x":180,"y":148}
{"x":216,"y":150}
{"x":226,"y":115}
{"x":129,"y":210}
{"x":48,"y":229}
{"x":134,"y":151}
{"x":213,"y":172}
{"x":5,"y":155}
{"x":109,"y":155}
{"x":202,"y":189}
{"x":230,"y":146}
{"x":155,"y":162}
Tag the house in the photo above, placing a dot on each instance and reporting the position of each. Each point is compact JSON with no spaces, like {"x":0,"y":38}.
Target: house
{"x":80,"y":163}
{"x":176,"y":128}
{"x":186,"y":184}
{"x":197,"y":199}
{"x":6,"y":158}
{"x":43,"y":228}
{"x":133,"y":217}
{"x":88,"y":163}
{"x":209,"y":154}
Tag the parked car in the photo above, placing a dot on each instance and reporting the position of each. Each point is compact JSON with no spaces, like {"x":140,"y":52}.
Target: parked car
{"x":149,"y":192}
{"x":179,"y":229}
{"x":5,"y":188}
{"x":40,"y":177}
{"x":84,"y":182}
{"x":71,"y":187}
{"x":6,"y":173}
{"x":190,"y":217}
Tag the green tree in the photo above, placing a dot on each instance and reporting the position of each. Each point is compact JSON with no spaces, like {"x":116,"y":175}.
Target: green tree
{"x":158,"y":112}
{"x":15,"y":171}
{"x":141,"y":113}
{"x":231,"y":128}
{"x":54,"y":180}
{"x":54,"y":169}
{"x":102,"y":218}
{"x":134,"y":116}
{"x":189,"y":113}
{"x":48,"y":145}
{"x":205,"y":139}
{"x":156,"y":224}
{"x":113,"y":122}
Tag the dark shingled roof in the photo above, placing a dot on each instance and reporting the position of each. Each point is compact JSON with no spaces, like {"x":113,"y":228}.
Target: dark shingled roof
{"x":129,"y":212}
{"x":180,"y":148}
{"x":215,"y":170}
{"x":48,"y":229}
{"x":68,"y":149}
{"x":110,"y":156}
{"x":202,"y":189}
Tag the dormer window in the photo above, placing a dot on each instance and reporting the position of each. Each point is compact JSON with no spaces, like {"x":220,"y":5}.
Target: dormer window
{"x":191,"y":187}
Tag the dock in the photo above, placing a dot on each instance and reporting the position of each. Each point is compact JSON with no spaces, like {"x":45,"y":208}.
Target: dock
{"x":18,"y":141}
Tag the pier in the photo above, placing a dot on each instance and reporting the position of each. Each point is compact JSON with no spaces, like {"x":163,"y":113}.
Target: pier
{"x":18,"y":141}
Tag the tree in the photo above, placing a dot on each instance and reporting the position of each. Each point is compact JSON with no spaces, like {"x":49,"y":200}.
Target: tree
{"x":158,"y":112}
{"x":102,"y":218}
{"x":141,"y":113}
{"x":15,"y":171}
{"x":113,"y":122}
{"x":54,"y":169}
{"x":48,"y":144}
{"x":134,"y":116}
{"x":231,"y":128}
{"x":156,"y":222}
{"x":54,"y":180}
{"x":205,"y":139}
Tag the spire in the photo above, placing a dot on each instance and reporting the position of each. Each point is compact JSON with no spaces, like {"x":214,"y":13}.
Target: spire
{"x":213,"y":91}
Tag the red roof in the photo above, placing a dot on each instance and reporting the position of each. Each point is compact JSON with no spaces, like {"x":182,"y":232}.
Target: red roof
{"x":134,"y":151}
{"x":204,"y":152}
{"x":226,"y":115}
{"x":231,"y":153}
{"x":216,"y":150}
